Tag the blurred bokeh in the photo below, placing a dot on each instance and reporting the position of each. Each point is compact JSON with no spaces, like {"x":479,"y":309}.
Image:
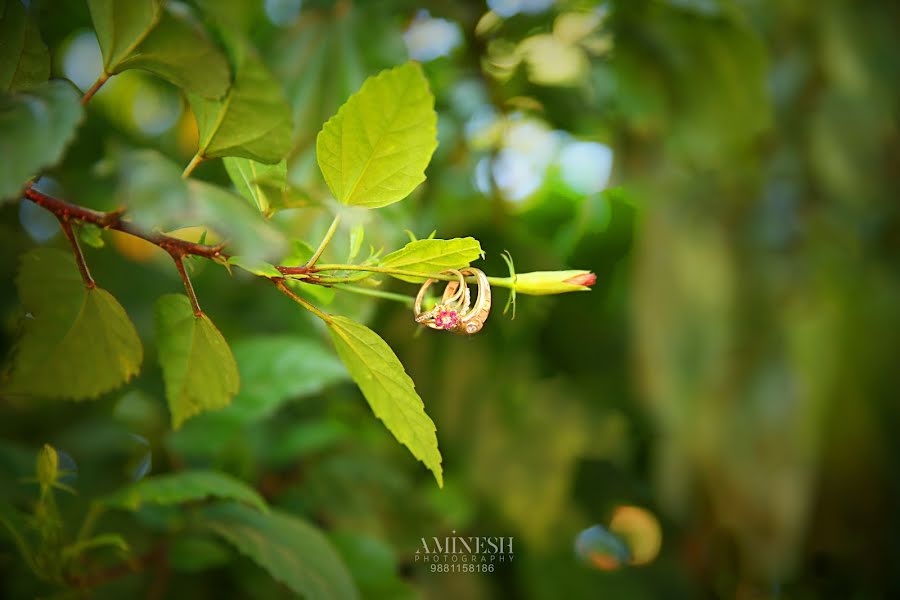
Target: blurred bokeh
{"x":716,"y":419}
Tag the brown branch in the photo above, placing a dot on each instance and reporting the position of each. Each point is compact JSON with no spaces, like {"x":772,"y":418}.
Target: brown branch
{"x":113,"y":220}
{"x":76,"y":252}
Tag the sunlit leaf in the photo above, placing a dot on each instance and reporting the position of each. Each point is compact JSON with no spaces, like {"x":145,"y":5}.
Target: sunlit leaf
{"x":388,"y":389}
{"x":198,"y":368}
{"x":278,"y":368}
{"x":146,"y":34}
{"x":35,"y":128}
{"x":184,"y":486}
{"x":252,"y":121}
{"x":356,"y":239}
{"x":291,"y":550}
{"x":24,"y":58}
{"x":433,"y":256}
{"x":77,"y":342}
{"x":374,"y":151}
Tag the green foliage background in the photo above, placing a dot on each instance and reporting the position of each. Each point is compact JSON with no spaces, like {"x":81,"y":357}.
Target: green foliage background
{"x":732,"y":370}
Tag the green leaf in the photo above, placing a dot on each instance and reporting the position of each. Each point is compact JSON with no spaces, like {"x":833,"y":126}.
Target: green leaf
{"x":91,"y":235}
{"x":252,"y":121}
{"x":433,"y":256}
{"x":77,"y":342}
{"x":144,"y":34}
{"x":374,"y":151}
{"x":24,"y":58}
{"x":291,"y":550}
{"x":76,"y":549}
{"x":35,"y":128}
{"x":356,"y":239}
{"x":194,"y":553}
{"x":278,"y":368}
{"x":255,"y":266}
{"x":388,"y":389}
{"x":198,"y":368}
{"x":265,"y":186}
{"x":184,"y":486}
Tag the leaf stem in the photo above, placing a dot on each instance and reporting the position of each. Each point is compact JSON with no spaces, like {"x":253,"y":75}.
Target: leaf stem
{"x":94,"y":513}
{"x":505,"y":282}
{"x":94,"y":88}
{"x":76,"y":252}
{"x":363,"y":291}
{"x":198,"y":158}
{"x":325,"y":241}
{"x":284,"y":289}
{"x":188,"y":286}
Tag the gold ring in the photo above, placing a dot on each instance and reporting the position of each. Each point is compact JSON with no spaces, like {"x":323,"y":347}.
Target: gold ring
{"x":453,"y":313}
{"x":455,"y":301}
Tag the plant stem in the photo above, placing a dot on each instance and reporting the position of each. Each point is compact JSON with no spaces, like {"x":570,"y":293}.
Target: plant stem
{"x":94,"y":88}
{"x":76,"y":252}
{"x":325,"y":241}
{"x":284,"y":289}
{"x":113,"y":220}
{"x":188,"y":286}
{"x":192,"y":165}
{"x":505,"y":282}
{"x":94,"y":513}
{"x":407,"y":300}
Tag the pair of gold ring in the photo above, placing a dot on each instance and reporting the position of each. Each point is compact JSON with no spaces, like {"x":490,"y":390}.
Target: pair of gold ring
{"x":455,"y":311}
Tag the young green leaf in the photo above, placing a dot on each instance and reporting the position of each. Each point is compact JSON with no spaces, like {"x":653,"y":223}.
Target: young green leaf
{"x":374,"y":151}
{"x":433,"y":256}
{"x":388,"y":389}
{"x":184,"y":486}
{"x":291,"y":550}
{"x":77,"y":342}
{"x":278,"y":368}
{"x":24,"y":58}
{"x":265,"y":186}
{"x":356,"y":239}
{"x":145,"y":34}
{"x":252,"y":121}
{"x":198,"y":368}
{"x":35,"y":128}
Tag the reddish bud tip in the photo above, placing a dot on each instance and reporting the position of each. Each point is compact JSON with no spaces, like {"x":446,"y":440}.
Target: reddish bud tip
{"x":586,"y":279}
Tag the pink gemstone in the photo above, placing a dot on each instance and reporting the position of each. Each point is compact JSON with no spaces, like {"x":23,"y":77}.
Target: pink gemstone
{"x":446,"y":319}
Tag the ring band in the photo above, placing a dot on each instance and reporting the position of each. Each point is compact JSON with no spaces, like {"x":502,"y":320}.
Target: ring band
{"x":453,"y":313}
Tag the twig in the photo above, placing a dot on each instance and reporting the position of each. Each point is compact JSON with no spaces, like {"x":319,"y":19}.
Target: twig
{"x":76,"y":252}
{"x":94,"y":88}
{"x":284,"y":289}
{"x":113,"y":220}
{"x":192,"y":165}
{"x":188,"y":286}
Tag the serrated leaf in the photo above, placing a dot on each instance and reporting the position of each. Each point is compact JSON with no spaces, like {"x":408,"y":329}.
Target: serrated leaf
{"x":374,"y":151}
{"x":184,"y":486}
{"x":388,"y":389}
{"x":77,"y":342}
{"x":145,"y":34}
{"x":278,"y":368}
{"x":24,"y":58}
{"x":255,"y":266}
{"x":35,"y":128}
{"x":252,"y":121}
{"x":433,"y":256}
{"x":264,"y":186}
{"x":198,"y":368}
{"x":291,"y":550}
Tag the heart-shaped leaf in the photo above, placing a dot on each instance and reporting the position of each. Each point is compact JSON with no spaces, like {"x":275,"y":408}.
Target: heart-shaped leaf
{"x":374,"y":151}
{"x":198,"y":368}
{"x":77,"y":342}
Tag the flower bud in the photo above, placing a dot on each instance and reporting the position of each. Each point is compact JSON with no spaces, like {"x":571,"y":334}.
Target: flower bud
{"x":541,"y":283}
{"x":47,"y":466}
